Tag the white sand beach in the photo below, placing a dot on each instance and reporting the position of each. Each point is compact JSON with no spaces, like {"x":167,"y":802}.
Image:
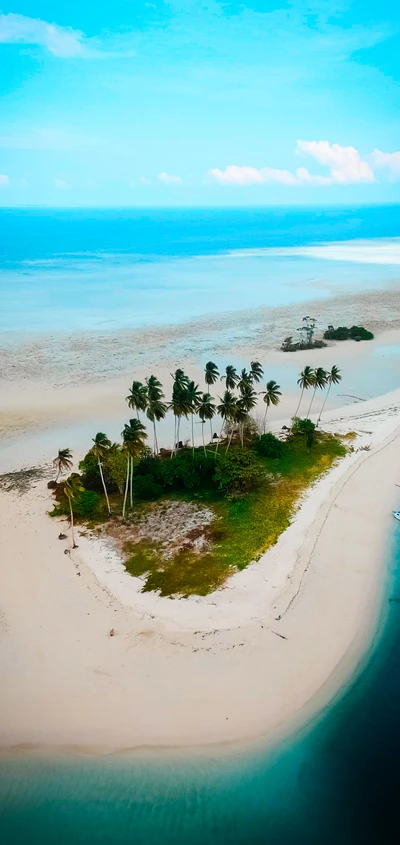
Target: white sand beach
{"x":250,"y":661}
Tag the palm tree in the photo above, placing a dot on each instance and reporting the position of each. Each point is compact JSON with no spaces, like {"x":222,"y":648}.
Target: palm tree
{"x":334,"y":377}
{"x":226,"y":408}
{"x":246,"y":403}
{"x":256,"y":371}
{"x":101,"y":446}
{"x":133,"y":435}
{"x":178,"y":391}
{"x":304,"y":381}
{"x":206,"y":410}
{"x":194,"y":395}
{"x":272,"y":396}
{"x":231,"y":377}
{"x":320,"y":379}
{"x":245,"y":380}
{"x":72,"y":488}
{"x":156,"y":408}
{"x":240,"y":416}
{"x":210,"y":374}
{"x":137,"y":397}
{"x":63,"y":461}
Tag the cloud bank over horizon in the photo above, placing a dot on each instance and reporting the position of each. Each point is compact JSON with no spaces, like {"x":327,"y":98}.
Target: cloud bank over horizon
{"x":345,"y":165}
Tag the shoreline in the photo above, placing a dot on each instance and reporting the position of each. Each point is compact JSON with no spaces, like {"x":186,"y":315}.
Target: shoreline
{"x":219,"y":688}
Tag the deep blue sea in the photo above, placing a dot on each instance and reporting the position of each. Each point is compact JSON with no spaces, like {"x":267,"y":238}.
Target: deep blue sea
{"x":335,"y":783}
{"x":66,"y":270}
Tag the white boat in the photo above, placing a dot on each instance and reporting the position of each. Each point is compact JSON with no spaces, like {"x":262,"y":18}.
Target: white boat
{"x":396,"y":514}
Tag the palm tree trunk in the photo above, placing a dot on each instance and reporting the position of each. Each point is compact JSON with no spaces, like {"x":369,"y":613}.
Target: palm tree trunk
{"x":312,"y":400}
{"x":211,"y":430}
{"x":265,"y":418}
{"x":230,"y":439}
{"x":126,"y":487}
{"x":174,"y":443}
{"x":192,"y":436}
{"x":202,"y":434}
{"x":324,"y":402}
{"x":131,"y":485}
{"x":220,"y":435}
{"x":155,"y":448}
{"x":74,"y":546}
{"x":104,"y":485}
{"x":58,"y":474}
{"x":241,"y":430}
{"x":298,"y":407}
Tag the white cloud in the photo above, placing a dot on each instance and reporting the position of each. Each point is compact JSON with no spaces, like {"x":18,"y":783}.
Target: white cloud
{"x":387,"y":161}
{"x":145,"y":181}
{"x":234,"y":175}
{"x":169,"y":180}
{"x":345,"y":163}
{"x":62,"y":184}
{"x":58,"y":40}
{"x":4,"y":180}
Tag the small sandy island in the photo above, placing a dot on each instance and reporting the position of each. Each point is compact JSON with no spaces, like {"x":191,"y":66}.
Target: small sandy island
{"x":249,"y":661}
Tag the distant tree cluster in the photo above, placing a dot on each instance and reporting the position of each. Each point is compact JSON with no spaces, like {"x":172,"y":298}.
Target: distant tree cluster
{"x":356,"y":333}
{"x":306,"y":333}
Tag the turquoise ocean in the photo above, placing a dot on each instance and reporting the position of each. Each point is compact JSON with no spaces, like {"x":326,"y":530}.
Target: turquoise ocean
{"x":66,"y":270}
{"x":335,"y":781}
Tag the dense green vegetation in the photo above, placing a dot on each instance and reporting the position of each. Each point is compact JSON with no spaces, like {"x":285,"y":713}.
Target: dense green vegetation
{"x":238,"y":491}
{"x":245,"y":526}
{"x":356,"y":333}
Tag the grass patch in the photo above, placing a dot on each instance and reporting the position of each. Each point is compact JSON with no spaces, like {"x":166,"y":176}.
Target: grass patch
{"x":245,"y":526}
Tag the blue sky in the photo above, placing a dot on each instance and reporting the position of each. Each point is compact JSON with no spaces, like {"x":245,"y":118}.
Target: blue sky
{"x":199,"y":103}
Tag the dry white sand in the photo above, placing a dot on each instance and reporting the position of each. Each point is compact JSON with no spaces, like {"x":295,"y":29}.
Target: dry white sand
{"x":192,"y":672}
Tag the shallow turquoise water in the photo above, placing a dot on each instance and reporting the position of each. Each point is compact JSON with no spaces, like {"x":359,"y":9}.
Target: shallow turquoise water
{"x":66,"y":270}
{"x":335,"y":782}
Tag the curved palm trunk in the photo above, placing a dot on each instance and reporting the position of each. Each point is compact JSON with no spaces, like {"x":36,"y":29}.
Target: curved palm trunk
{"x":174,"y":443}
{"x":220,"y":435}
{"x":74,"y":546}
{"x":324,"y":403}
{"x":298,"y":407}
{"x":155,"y":439}
{"x":131,"y":485}
{"x":265,"y":418}
{"x":126,"y":487}
{"x":312,"y":400}
{"x":58,"y":474}
{"x":104,"y":485}
{"x":229,"y":439}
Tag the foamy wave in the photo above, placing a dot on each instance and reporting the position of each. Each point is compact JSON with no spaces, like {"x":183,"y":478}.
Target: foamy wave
{"x":382,"y":251}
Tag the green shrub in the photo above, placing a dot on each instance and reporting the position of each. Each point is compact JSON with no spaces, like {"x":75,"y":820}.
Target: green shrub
{"x":90,"y":472}
{"x":144,"y":487}
{"x":304,"y":428}
{"x":359,"y":333}
{"x":84,"y":505}
{"x":269,"y":446}
{"x":343,"y":333}
{"x":237,"y":471}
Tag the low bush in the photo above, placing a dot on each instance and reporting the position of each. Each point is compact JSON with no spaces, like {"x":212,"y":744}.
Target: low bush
{"x":356,"y":333}
{"x":237,"y":471}
{"x":304,"y":428}
{"x":85,"y":505}
{"x":289,"y":346}
{"x":144,"y":487}
{"x":269,"y":446}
